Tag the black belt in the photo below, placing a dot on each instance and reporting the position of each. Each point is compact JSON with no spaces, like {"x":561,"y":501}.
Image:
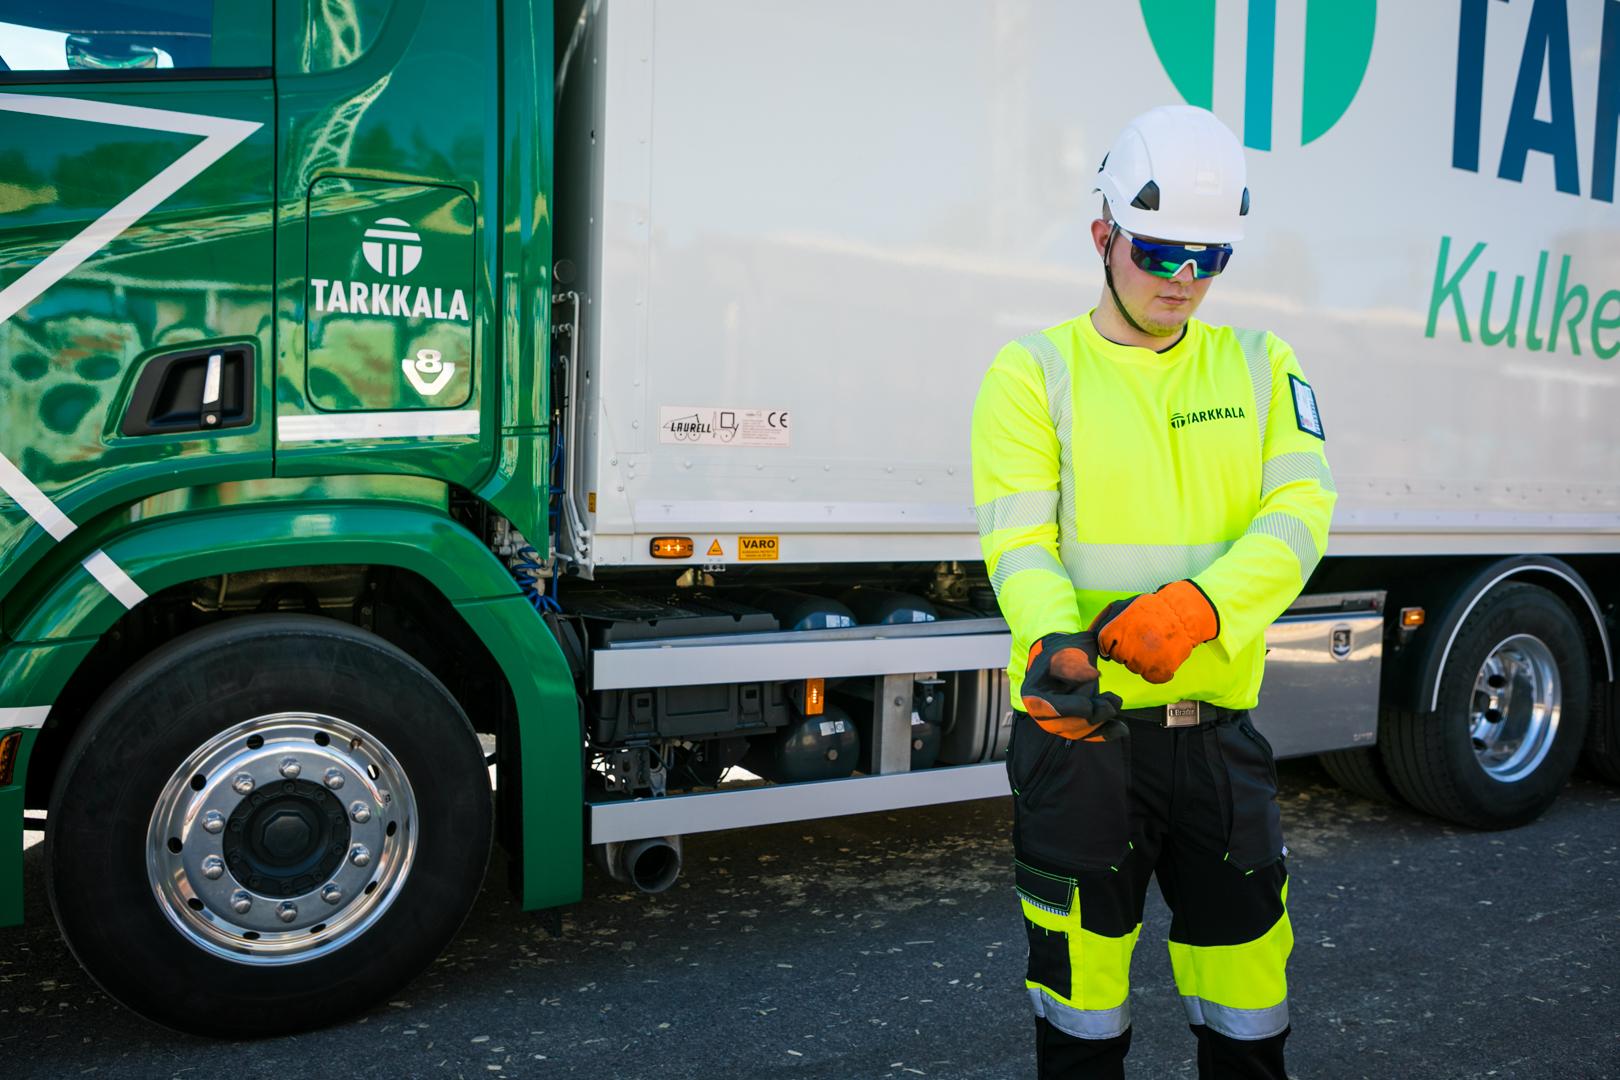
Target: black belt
{"x":1180,"y":714}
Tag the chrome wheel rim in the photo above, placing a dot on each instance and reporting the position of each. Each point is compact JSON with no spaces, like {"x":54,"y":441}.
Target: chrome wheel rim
{"x":1514,"y":715}
{"x":281,"y":839}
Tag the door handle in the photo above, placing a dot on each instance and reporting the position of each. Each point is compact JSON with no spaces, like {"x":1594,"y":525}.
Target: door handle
{"x":206,"y":389}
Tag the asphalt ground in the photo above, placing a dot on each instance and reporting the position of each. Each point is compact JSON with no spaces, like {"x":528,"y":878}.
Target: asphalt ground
{"x":890,"y":945}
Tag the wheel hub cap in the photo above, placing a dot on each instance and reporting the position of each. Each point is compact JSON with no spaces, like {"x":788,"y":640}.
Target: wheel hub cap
{"x":1514,"y":717}
{"x":287,"y":839}
{"x":253,"y":863}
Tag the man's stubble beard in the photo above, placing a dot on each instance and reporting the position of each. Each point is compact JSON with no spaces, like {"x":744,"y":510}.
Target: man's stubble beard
{"x":1159,"y":328}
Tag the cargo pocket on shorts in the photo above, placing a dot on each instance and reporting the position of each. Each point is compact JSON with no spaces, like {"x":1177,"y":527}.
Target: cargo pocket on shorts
{"x":1071,"y":798}
{"x":1254,"y":834}
{"x":1048,"y":949}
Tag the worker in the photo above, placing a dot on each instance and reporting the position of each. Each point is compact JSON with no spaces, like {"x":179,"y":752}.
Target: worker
{"x":1152,"y":492}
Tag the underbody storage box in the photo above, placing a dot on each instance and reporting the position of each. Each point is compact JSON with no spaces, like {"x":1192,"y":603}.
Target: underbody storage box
{"x":676,"y":712}
{"x":612,"y":616}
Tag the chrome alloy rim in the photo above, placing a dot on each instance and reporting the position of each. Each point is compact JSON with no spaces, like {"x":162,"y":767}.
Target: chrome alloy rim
{"x":281,"y":839}
{"x":1514,"y":715}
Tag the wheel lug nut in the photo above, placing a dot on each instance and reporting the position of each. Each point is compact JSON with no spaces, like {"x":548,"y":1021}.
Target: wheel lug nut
{"x":213,"y":821}
{"x":332,"y":894}
{"x":286,"y":911}
{"x":241,"y":902}
{"x":360,"y":812}
{"x":290,"y":768}
{"x":213,"y":867}
{"x":242,"y":784}
{"x":334,"y":778}
{"x":360,"y":855}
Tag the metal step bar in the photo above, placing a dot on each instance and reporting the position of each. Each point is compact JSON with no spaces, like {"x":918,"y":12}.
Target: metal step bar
{"x":954,"y":645}
{"x":677,"y":815}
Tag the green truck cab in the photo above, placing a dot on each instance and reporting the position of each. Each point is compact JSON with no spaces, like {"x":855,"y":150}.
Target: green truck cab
{"x":273,"y":351}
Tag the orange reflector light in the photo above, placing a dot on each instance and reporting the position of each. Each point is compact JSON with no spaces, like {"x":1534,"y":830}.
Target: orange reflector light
{"x":1411,"y":617}
{"x":815,"y":696}
{"x":672,"y":547}
{"x":9,"y":746}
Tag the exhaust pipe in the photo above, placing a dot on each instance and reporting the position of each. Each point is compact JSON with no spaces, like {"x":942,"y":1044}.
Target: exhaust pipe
{"x":651,"y":865}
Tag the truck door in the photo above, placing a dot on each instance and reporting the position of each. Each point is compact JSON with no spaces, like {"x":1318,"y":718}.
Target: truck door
{"x":386,"y":113}
{"x":136,"y":162}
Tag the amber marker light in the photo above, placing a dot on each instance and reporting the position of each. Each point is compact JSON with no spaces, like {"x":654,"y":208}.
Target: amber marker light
{"x":8,"y":755}
{"x":1411,"y":618}
{"x":672,"y":547}
{"x":815,"y":696}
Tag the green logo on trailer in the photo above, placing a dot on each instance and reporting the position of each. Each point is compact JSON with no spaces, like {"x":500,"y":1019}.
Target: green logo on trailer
{"x":1338,"y":43}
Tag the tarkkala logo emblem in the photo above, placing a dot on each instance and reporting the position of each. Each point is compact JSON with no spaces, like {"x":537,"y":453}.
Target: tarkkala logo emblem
{"x":1338,"y":42}
{"x":392,"y":247}
{"x":1179,"y":419}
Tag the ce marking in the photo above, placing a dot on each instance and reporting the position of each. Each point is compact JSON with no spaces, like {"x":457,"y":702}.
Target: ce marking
{"x":777,"y":419}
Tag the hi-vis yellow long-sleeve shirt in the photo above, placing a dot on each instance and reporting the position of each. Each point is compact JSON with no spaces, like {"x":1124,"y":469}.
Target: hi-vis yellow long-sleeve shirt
{"x":1102,"y":470}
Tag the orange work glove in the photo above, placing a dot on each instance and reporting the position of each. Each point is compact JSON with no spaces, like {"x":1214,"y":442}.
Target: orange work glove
{"x":1060,"y":689}
{"x":1153,"y":634}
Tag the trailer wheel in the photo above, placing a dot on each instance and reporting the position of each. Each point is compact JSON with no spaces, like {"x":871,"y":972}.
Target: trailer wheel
{"x":1512,"y":714}
{"x":1602,"y":756}
{"x":1361,"y":771}
{"x":265,"y":826}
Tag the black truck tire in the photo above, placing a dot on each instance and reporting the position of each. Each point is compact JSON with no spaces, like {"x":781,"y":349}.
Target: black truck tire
{"x":266,"y":826}
{"x":1511,"y":717}
{"x":1602,"y":755}
{"x":1360,"y":771}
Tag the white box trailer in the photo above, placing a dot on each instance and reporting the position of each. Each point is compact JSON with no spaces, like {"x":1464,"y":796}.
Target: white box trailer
{"x":797,"y":234}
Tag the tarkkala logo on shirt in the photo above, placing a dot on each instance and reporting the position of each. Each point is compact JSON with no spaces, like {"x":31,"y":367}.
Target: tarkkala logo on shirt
{"x":1179,"y":419}
{"x":1337,"y":43}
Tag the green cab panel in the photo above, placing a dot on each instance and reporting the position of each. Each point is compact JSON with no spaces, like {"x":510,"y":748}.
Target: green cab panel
{"x":391,"y":269}
{"x":135,"y":242}
{"x":11,"y":843}
{"x":387,"y":248}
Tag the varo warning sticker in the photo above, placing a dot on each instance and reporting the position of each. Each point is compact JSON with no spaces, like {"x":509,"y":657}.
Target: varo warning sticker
{"x":757,"y":548}
{"x":1305,"y":411}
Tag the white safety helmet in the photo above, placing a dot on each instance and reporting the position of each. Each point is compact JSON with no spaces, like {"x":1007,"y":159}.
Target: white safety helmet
{"x":1177,"y":173}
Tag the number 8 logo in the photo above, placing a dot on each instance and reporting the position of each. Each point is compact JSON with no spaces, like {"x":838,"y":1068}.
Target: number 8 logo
{"x":428,"y":373}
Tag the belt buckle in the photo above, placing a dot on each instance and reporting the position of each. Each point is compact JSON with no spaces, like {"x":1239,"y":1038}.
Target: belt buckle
{"x":1181,"y":714}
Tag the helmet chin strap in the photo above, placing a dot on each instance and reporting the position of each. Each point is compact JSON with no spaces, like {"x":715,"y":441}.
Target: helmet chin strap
{"x":1108,"y":275}
{"x":1119,"y":305}
{"x":1113,"y":292}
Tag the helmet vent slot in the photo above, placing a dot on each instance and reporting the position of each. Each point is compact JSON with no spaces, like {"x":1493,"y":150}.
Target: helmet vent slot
{"x":1148,"y":197}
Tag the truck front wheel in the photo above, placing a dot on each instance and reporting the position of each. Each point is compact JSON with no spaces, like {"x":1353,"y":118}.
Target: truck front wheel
{"x":1511,"y":716}
{"x":266,"y":826}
